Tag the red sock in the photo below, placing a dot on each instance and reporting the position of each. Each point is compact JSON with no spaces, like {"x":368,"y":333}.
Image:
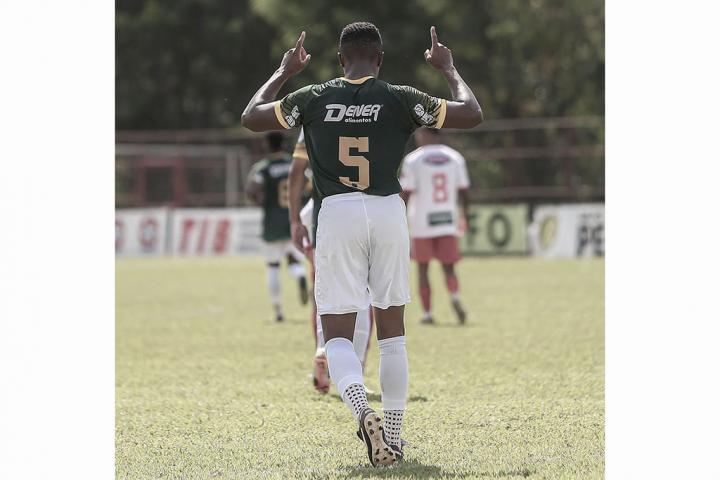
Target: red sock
{"x":452,"y":284}
{"x":425,"y":297}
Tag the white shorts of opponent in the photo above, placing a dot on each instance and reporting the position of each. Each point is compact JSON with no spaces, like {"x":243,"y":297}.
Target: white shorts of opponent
{"x":362,"y":253}
{"x":276,"y":251}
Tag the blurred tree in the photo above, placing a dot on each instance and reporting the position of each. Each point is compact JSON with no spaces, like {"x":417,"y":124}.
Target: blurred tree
{"x":187,"y":63}
{"x":195,"y":63}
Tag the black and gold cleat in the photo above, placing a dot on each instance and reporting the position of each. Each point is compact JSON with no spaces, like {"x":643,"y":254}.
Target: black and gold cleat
{"x":398,"y":452}
{"x":379,"y":452}
{"x":398,"y":449}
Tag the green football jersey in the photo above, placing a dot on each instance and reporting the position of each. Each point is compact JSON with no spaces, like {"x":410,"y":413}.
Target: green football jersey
{"x":272,"y":174}
{"x":356,"y":131}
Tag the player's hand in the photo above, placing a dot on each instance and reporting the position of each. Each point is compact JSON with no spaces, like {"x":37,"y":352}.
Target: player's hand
{"x":300,"y":236}
{"x":462,"y":225}
{"x":438,"y":55}
{"x":296,"y":59}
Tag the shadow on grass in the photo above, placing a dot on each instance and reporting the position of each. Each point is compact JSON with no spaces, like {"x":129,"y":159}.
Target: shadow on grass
{"x":291,"y":321}
{"x":452,"y":325}
{"x":376,"y":397}
{"x":412,"y":468}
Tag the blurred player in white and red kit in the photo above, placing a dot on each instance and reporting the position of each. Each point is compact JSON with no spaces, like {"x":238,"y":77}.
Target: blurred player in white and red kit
{"x":363,"y":322}
{"x":433,"y":178}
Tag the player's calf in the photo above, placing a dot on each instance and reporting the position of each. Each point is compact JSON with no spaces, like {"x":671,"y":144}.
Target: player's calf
{"x":394,"y":382}
{"x":425,"y":293}
{"x":273,"y":284}
{"x":297,"y":270}
{"x":451,"y":281}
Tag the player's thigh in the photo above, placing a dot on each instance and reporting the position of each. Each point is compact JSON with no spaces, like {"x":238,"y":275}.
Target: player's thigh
{"x":274,"y":252}
{"x":389,"y":252}
{"x":447,"y":249}
{"x":422,"y":249}
{"x":341,"y":258}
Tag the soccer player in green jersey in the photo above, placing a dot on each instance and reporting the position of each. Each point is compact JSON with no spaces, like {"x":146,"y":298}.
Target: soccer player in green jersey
{"x":363,"y":321}
{"x":268,"y":187}
{"x":356,"y":128}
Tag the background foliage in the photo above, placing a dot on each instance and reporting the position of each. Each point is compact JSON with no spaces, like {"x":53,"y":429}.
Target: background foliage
{"x":195,"y":63}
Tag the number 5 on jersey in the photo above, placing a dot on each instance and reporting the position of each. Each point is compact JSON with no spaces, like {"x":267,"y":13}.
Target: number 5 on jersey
{"x":362,"y":163}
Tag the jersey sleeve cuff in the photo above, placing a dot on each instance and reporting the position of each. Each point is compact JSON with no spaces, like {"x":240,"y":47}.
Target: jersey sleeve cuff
{"x":300,"y":153}
{"x":281,"y":119}
{"x":441,"y":115}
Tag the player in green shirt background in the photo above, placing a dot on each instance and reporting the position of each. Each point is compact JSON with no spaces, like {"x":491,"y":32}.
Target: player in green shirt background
{"x":356,"y":128}
{"x":268,"y":188}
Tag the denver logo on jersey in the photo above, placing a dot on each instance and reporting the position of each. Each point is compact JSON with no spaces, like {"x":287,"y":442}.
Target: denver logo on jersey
{"x":337,"y":112}
{"x":290,"y":119}
{"x":424,"y":117}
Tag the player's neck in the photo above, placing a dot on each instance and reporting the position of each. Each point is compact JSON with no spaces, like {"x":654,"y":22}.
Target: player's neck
{"x":355,"y":72}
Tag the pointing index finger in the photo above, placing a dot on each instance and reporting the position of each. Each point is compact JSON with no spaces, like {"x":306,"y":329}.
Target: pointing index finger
{"x":300,"y":41}
{"x":433,"y":36}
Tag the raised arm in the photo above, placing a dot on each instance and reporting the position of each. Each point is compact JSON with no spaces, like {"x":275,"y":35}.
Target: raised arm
{"x":259,"y":115}
{"x":464,"y":110}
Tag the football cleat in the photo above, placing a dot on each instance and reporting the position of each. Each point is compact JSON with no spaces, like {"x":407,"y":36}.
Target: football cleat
{"x":371,"y":429}
{"x":427,"y":321}
{"x":459,"y":311}
{"x":304,"y":296}
{"x":321,"y":378}
{"x":279,"y":317}
{"x":398,"y":450}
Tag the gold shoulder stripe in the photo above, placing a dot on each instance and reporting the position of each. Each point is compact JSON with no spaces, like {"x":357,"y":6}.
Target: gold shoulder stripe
{"x":279,"y":115}
{"x":441,"y":115}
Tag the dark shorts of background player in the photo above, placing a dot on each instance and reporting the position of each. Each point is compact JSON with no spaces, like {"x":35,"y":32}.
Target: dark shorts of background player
{"x":445,"y":248}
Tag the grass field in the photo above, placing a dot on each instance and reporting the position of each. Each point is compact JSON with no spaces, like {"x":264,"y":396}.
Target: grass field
{"x":209,"y":387}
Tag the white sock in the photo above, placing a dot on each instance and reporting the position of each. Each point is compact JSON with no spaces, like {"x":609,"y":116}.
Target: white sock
{"x":297,"y":270}
{"x":345,"y":371}
{"x":427,"y":315}
{"x":319,"y":333}
{"x":361,"y":334}
{"x":273,"y":283}
{"x":394,"y":384}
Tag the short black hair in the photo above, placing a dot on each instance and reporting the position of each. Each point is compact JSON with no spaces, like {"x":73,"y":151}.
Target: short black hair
{"x":275,"y":141}
{"x":360,"y":39}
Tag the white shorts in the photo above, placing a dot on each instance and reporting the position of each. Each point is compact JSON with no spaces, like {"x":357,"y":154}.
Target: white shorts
{"x":275,"y":251}
{"x":362,"y":253}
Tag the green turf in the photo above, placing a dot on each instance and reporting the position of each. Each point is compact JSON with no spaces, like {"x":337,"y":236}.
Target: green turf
{"x":209,"y":387}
